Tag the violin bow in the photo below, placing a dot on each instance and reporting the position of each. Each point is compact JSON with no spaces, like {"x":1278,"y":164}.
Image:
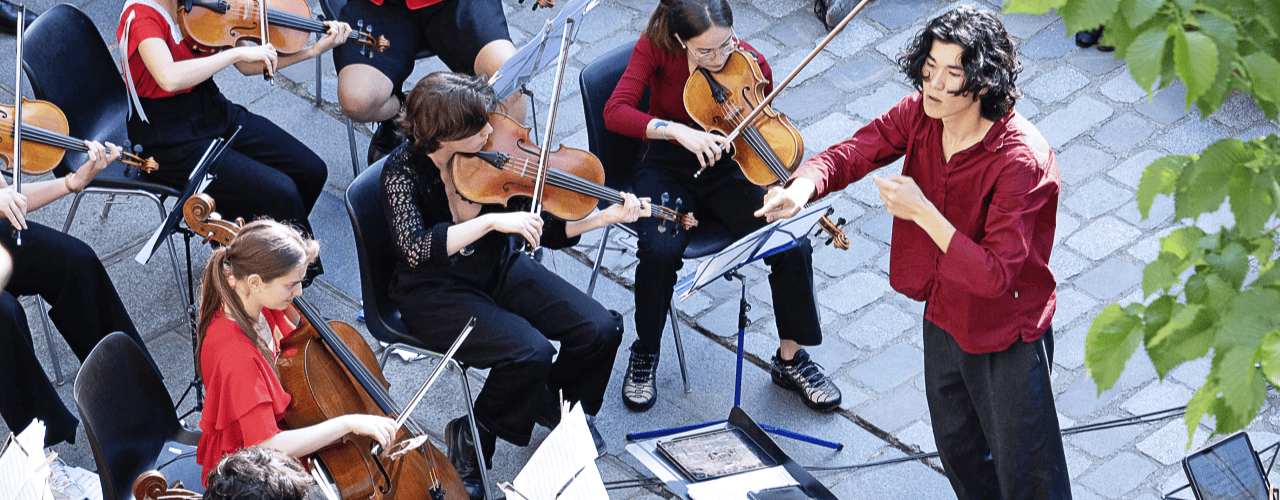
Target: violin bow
{"x":266,"y":37}
{"x":399,"y":449}
{"x":778,"y":88}
{"x":17,"y":118}
{"x":543,"y":168}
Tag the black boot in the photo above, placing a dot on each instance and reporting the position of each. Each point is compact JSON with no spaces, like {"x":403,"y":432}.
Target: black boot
{"x":9,"y":17}
{"x":385,"y":139}
{"x":460,"y":446}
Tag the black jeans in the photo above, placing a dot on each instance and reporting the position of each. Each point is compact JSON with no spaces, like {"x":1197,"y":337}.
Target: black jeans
{"x":265,"y":172}
{"x":721,"y":193}
{"x":84,"y":307}
{"x":994,"y":419}
{"x":520,"y":307}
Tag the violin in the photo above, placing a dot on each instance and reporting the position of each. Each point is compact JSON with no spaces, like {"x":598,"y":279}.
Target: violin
{"x":769,"y":148}
{"x":222,"y":23}
{"x":329,"y":371}
{"x":45,"y":140}
{"x":507,"y":167}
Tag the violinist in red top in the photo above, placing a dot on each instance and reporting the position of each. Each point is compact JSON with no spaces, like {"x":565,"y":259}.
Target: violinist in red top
{"x":974,"y":215}
{"x":684,"y":35}
{"x":248,"y":286}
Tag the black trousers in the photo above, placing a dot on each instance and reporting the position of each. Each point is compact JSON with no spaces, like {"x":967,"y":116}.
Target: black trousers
{"x":994,"y":419}
{"x":722,"y":193}
{"x":83,"y":305}
{"x":265,"y":172}
{"x":520,"y":307}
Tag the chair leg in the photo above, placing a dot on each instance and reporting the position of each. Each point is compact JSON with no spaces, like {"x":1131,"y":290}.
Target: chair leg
{"x":595,"y":268}
{"x":71,"y":214}
{"x":319,"y":98}
{"x":675,"y":329}
{"x":48,"y":338}
{"x":475,"y":431}
{"x":351,"y":140}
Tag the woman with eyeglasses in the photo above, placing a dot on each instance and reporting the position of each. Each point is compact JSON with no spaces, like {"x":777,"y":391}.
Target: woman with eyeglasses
{"x":683,"y":35}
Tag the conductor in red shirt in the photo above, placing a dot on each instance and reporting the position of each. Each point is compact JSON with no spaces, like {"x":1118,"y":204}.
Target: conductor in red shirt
{"x":974,"y":216}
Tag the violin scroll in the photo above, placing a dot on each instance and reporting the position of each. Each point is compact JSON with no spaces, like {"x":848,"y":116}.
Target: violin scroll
{"x":151,"y":485}
{"x":836,"y":235}
{"x":200,"y":216}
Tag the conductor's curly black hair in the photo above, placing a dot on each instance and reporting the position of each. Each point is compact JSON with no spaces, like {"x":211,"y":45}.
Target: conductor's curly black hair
{"x":990,"y":58}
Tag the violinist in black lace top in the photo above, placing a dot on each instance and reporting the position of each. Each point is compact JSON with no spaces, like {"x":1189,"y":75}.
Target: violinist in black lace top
{"x":459,"y":260}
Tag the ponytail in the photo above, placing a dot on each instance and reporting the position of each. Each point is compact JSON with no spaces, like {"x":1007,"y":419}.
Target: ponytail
{"x":686,"y":19}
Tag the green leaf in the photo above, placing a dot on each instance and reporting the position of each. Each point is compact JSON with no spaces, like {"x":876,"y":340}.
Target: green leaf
{"x":1243,"y":387}
{"x":1137,"y":12}
{"x":1196,"y":57}
{"x":1031,"y":6}
{"x":1262,"y":72}
{"x":1145,"y":55}
{"x":1231,"y":264}
{"x":1202,"y":186}
{"x":1161,"y":274}
{"x":1254,"y":198}
{"x":1113,"y":337}
{"x":1205,"y":400}
{"x":1187,"y":336}
{"x":1183,"y":242}
{"x":1084,"y":15}
{"x":1269,"y":356}
{"x":1160,"y":177}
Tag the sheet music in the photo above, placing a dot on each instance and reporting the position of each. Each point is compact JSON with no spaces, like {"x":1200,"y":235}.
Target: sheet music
{"x":537,"y":53}
{"x":737,"y":486}
{"x":564,"y":466}
{"x":24,"y":469}
{"x":149,"y":249}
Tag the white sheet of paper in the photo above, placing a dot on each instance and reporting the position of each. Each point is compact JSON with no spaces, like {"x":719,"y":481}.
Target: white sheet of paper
{"x":737,"y":486}
{"x":565,"y":461}
{"x":24,"y":472}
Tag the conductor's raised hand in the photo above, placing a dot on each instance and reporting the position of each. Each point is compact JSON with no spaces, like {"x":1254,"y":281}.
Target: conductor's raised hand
{"x":784,"y":203}
{"x":903,"y":198}
{"x":528,"y":225}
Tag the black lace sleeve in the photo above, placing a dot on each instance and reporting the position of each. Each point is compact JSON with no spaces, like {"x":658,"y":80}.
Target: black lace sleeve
{"x":419,"y":232}
{"x":554,"y":233}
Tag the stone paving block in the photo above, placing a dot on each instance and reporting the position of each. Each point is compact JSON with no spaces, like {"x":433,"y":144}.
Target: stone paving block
{"x":1192,"y":373}
{"x":1056,"y":84}
{"x":1122,"y":88}
{"x":895,"y":410}
{"x":1168,"y":105}
{"x":1110,"y":279}
{"x":1102,"y":237}
{"x":880,"y":227}
{"x":853,"y":292}
{"x":1238,"y":112}
{"x":1049,"y":44}
{"x":884,"y":371}
{"x":1123,"y":132}
{"x":883,"y":263}
{"x":1119,"y":475}
{"x":803,"y":102}
{"x":1077,"y":463}
{"x":1191,"y":138}
{"x":836,"y":263}
{"x":1066,"y":264}
{"x":828,"y":131}
{"x":1071,"y":304}
{"x":1026,"y":108}
{"x":878,"y":327}
{"x":1263,"y":130}
{"x":1169,"y":444}
{"x":1081,"y":162}
{"x":1102,"y":443}
{"x":1220,"y":218}
{"x":894,"y":46}
{"x":1159,"y":215}
{"x":880,"y":101}
{"x":1130,"y":170}
{"x":857,"y":36}
{"x":1024,"y":26}
{"x":1095,"y":62}
{"x":783,"y":67}
{"x":1081,"y":398}
{"x":851,"y":396}
{"x":904,"y":480}
{"x":832,"y":354}
{"x":777,"y":8}
{"x":1156,"y":397}
{"x":1068,"y":347}
{"x":865,"y":71}
{"x":1079,"y":492}
{"x":1065,"y":227}
{"x":894,"y":15}
{"x":604,"y":46}
{"x":1065,"y":124}
{"x":1146,"y":250}
{"x":919,"y":435}
{"x":544,"y":83}
{"x":1097,"y":197}
{"x":796,"y":32}
{"x":747,"y":22}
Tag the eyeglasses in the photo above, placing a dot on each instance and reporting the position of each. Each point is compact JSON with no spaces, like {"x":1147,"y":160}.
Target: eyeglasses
{"x":724,"y":49}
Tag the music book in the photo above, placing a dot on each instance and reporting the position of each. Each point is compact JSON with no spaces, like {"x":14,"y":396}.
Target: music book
{"x":714,"y":454}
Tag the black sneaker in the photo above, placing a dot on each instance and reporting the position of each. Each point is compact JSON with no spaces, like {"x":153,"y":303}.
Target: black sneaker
{"x":639,"y":386}
{"x":385,"y":139}
{"x":460,"y":446}
{"x":804,"y":376}
{"x":836,"y":10}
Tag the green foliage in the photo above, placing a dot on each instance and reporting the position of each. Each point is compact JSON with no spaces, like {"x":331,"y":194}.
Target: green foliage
{"x":1211,"y":292}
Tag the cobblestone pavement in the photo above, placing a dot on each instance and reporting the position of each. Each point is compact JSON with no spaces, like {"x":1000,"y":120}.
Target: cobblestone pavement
{"x":1105,"y":131}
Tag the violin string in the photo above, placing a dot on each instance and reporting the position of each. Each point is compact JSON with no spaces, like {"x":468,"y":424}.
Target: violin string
{"x":287,"y":20}
{"x":757,"y":142}
{"x":42,"y":136}
{"x":577,"y":184}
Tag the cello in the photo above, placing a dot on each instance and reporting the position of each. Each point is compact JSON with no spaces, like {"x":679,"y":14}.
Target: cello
{"x":329,"y":370}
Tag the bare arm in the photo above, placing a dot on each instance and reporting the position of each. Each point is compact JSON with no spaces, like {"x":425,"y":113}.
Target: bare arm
{"x":304,"y":441}
{"x":173,"y":76}
{"x":15,"y":206}
{"x":338,"y":33}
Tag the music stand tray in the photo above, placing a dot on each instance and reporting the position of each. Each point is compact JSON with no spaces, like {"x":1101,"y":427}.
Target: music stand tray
{"x":768,"y":240}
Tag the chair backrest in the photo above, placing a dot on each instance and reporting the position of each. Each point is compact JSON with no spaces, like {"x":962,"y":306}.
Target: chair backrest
{"x":127,"y":413}
{"x":74,"y":70}
{"x":377,"y":259}
{"x":616,"y":151}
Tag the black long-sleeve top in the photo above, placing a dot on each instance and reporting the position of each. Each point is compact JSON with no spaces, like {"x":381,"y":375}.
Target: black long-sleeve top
{"x":418,"y":215}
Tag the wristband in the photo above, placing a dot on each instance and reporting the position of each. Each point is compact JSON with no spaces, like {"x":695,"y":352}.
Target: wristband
{"x":67,"y":182}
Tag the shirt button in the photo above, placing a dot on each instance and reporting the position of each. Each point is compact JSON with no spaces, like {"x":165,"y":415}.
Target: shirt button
{"x":1015,"y":294}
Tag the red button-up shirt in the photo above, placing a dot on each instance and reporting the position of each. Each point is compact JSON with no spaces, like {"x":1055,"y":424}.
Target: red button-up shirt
{"x":993,"y":285}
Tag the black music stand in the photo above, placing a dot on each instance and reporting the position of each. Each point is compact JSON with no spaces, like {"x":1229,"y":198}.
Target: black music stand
{"x":201,"y":176}
{"x":538,"y":53}
{"x":768,"y":240}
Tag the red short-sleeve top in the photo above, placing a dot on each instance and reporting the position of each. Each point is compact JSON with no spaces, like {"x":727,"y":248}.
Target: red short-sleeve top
{"x":143,"y":21}
{"x":244,"y":399}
